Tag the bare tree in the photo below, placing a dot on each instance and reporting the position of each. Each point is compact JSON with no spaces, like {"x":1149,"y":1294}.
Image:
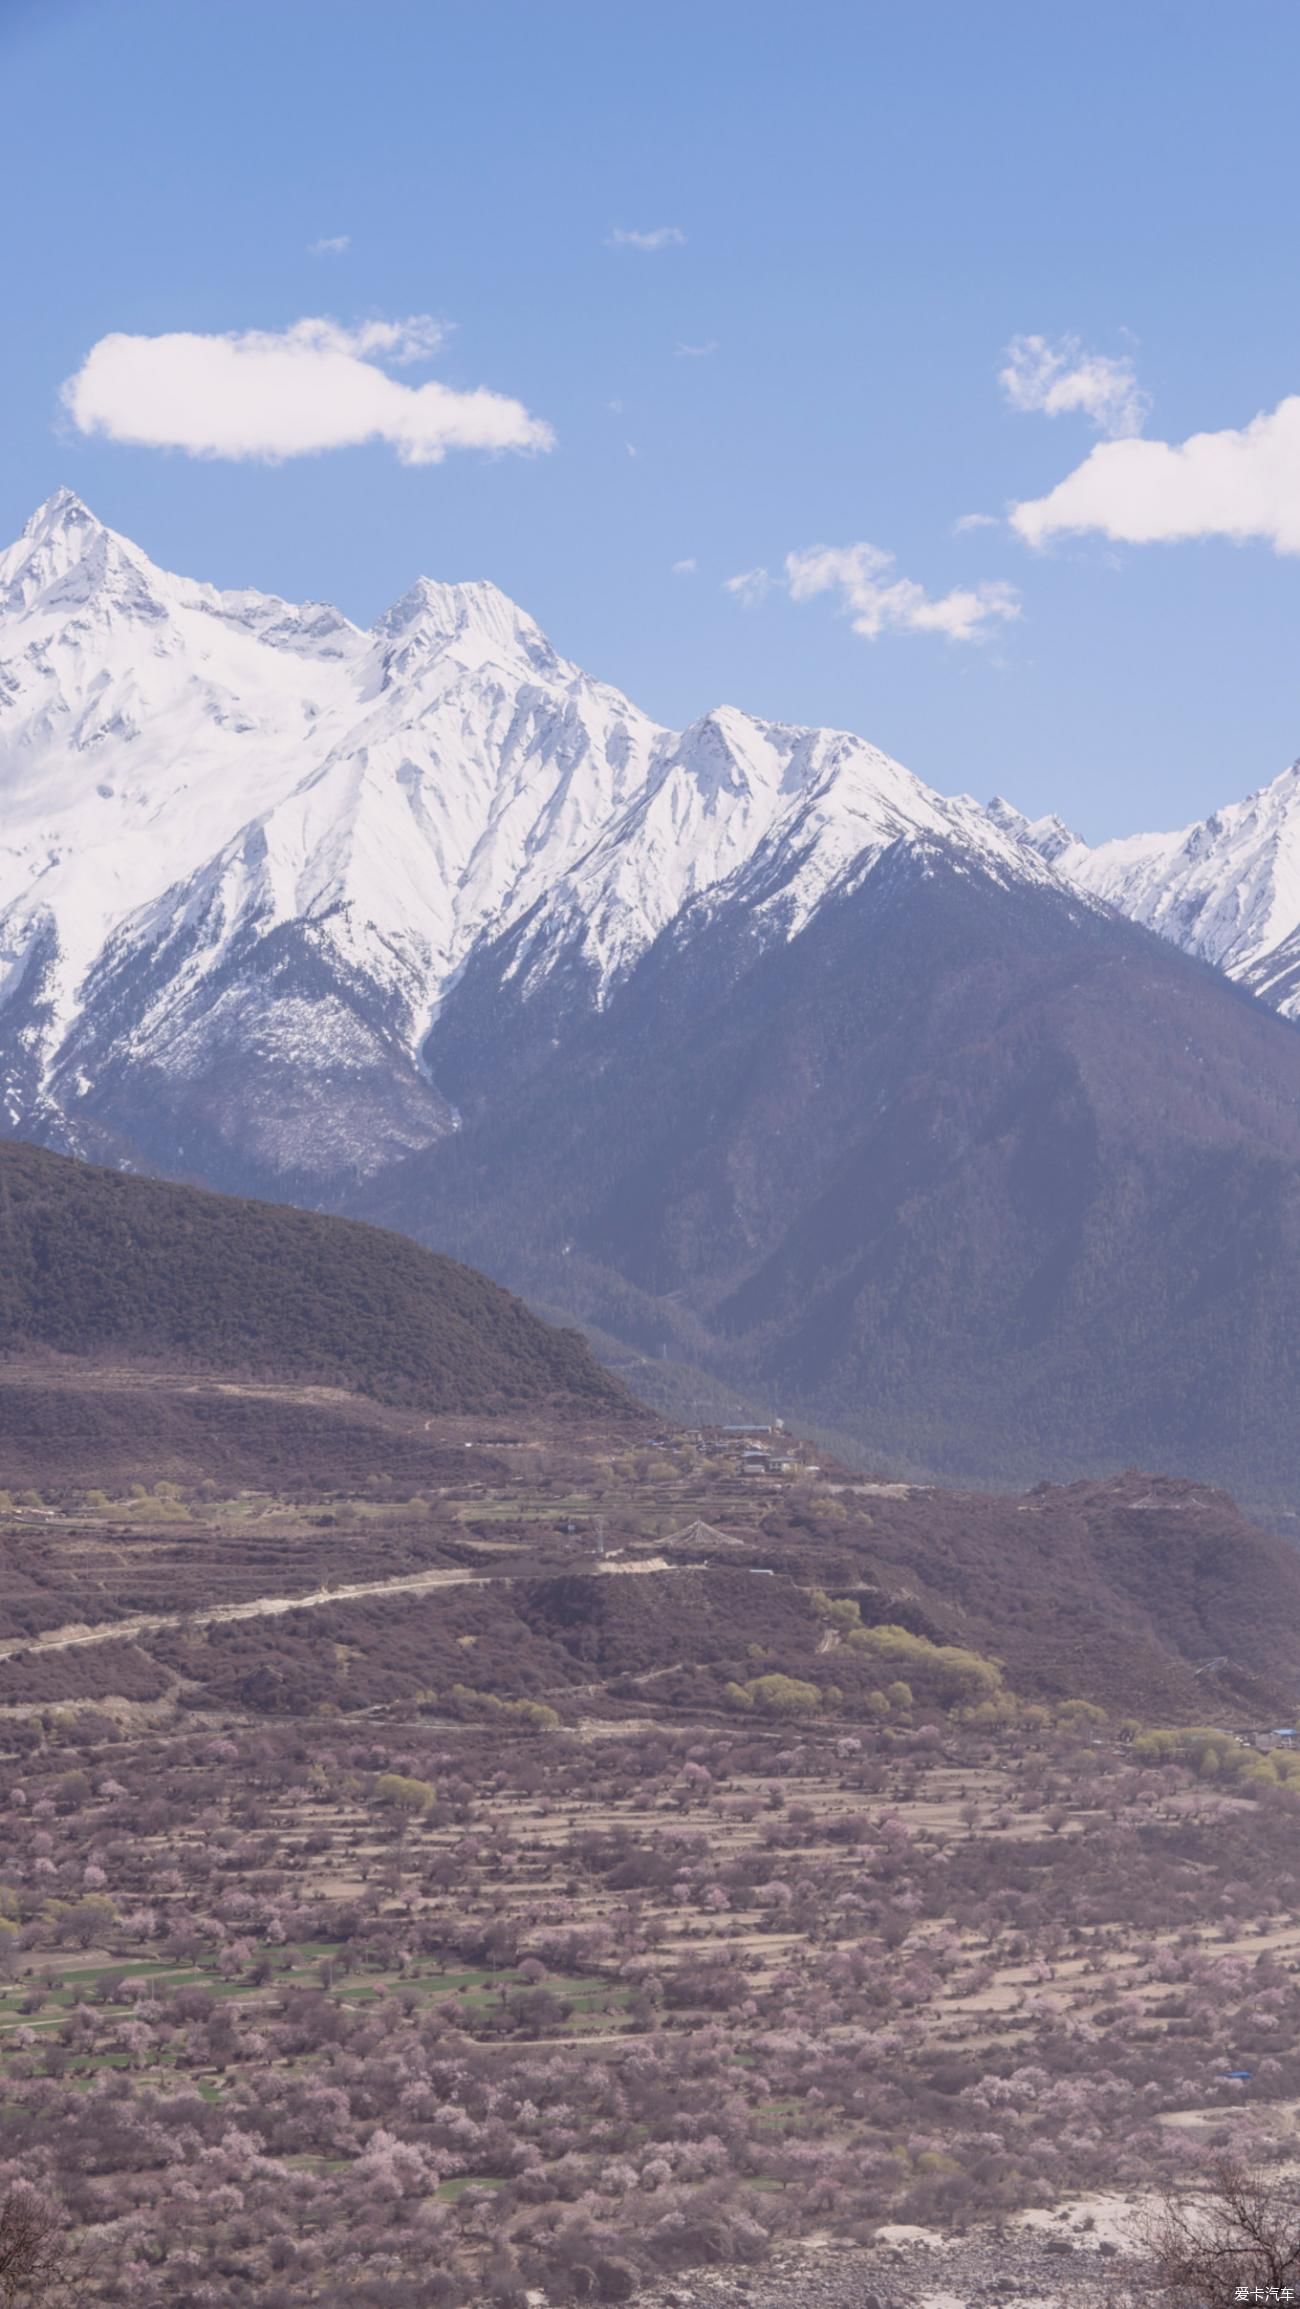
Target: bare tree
{"x":32,"y":2253}
{"x":1234,"y":2240}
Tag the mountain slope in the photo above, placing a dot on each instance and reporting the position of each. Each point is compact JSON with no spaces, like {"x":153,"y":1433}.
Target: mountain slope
{"x":973,"y":1171}
{"x":740,"y":1043}
{"x":95,"y":1264}
{"x":1141,"y":1592}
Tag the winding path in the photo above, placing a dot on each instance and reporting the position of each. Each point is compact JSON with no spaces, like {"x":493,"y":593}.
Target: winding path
{"x":265,"y":1606}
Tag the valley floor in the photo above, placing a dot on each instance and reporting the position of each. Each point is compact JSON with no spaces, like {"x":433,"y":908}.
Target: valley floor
{"x":401,"y":1910}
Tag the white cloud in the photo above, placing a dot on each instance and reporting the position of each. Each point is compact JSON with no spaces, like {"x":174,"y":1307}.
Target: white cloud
{"x":750,"y":587}
{"x":661,"y":236}
{"x":1239,"y":483}
{"x":293,"y":393}
{"x":686,"y":568}
{"x":1063,"y":379}
{"x":968,"y":521}
{"x":337,"y":247}
{"x":876,"y":602}
{"x":696,"y":352}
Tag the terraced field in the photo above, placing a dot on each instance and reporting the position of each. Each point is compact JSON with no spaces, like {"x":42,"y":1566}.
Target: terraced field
{"x":401,"y":1904}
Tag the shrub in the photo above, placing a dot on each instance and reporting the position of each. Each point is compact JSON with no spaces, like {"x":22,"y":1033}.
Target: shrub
{"x":783,"y":1695}
{"x":948,"y":1671}
{"x":414,"y":1797}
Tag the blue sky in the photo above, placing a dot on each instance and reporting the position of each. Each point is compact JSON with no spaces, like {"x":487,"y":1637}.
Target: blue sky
{"x":859,"y":208}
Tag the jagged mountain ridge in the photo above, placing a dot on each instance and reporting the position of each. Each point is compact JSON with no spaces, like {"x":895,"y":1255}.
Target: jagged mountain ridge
{"x":740,"y":1043}
{"x":249,"y":848}
{"x":1226,"y":889}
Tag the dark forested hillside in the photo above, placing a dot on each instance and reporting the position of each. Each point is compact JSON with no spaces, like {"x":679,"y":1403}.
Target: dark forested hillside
{"x":97,"y":1263}
{"x":992,"y":1180}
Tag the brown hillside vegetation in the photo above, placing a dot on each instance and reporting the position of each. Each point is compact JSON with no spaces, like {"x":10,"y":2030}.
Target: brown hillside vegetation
{"x":1098,"y":1587}
{"x":95,"y":1263}
{"x":611,"y":1860}
{"x":77,"y":1420}
{"x":1154,"y":1599}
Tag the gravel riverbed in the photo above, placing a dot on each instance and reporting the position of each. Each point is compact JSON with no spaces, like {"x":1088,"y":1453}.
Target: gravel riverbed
{"x":985,"y":2269}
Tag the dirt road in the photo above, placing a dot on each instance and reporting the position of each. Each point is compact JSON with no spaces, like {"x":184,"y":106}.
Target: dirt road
{"x":265,"y":1606}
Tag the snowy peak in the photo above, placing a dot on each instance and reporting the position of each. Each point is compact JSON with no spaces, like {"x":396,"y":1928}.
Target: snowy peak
{"x":728,"y":752}
{"x":64,"y":552}
{"x":768,"y":816}
{"x":1227,"y":888}
{"x":234,"y":822}
{"x":1048,"y":837}
{"x":63,"y":515}
{"x":475,"y":624}
{"x":67,"y":564}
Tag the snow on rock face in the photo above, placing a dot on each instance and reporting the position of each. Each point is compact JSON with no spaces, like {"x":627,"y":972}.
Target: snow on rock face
{"x":190,"y":776}
{"x":1226,"y":889}
{"x":1050,"y":836}
{"x":142,"y":719}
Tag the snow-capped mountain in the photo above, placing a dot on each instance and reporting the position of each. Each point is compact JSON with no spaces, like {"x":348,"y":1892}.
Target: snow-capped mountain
{"x":248,"y":848}
{"x":1048,"y":837}
{"x":739,"y":1042}
{"x":1226,"y":889}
